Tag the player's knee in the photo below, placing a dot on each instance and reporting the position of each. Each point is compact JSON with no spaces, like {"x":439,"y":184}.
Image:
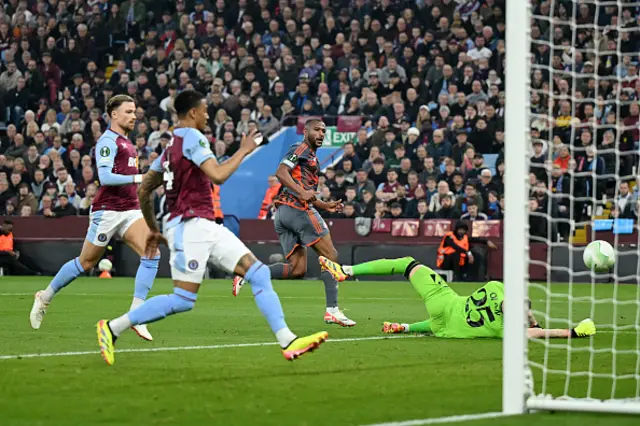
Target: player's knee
{"x":87,"y":264}
{"x":409,"y":264}
{"x":183,"y":300}
{"x":298,"y":270}
{"x":332,"y":254}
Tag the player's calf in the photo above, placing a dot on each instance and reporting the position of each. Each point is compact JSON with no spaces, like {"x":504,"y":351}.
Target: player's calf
{"x":155,"y":309}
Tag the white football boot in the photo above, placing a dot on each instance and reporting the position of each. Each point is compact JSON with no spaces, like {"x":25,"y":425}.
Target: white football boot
{"x":38,"y":310}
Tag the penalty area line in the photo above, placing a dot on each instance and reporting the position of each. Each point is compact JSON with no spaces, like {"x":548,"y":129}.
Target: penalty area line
{"x":194,"y":348}
{"x":442,"y":420}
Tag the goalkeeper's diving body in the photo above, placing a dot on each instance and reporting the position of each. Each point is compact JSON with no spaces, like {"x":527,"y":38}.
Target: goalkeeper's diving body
{"x":451,"y":315}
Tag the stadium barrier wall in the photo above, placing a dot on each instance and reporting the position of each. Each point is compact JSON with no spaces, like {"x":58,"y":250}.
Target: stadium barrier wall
{"x":49,"y":243}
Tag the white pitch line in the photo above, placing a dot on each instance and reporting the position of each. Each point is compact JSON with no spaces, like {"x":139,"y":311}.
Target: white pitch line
{"x":195,"y":348}
{"x":441,"y":420}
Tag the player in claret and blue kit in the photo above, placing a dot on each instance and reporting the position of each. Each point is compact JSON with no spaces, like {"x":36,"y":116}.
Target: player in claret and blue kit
{"x":451,"y":315}
{"x":187,"y":168}
{"x":114,"y":211}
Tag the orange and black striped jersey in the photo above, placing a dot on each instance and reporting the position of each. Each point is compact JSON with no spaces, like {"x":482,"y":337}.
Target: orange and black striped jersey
{"x":304,"y":170}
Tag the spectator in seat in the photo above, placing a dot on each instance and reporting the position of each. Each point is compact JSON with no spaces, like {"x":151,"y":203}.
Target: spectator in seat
{"x":350,"y":195}
{"x":487,"y":184}
{"x":363,"y":183}
{"x":350,"y":153}
{"x":537,"y":160}
{"x":377,"y":174}
{"x":440,"y":147}
{"x":85,"y":204}
{"x":494,"y":207}
{"x":267,"y":123}
{"x":267,"y":201}
{"x":72,"y":194}
{"x":435,"y":202}
{"x":396,"y":211}
{"x":339,"y":186}
{"x":26,"y":198}
{"x":349,"y":172}
{"x":64,"y":208}
{"x":625,"y":204}
{"x":429,"y":170}
{"x":470,"y":197}
{"x":387,"y":191}
{"x":477,"y":167}
{"x":8,"y":255}
{"x":422,"y":212}
{"x":367,"y":205}
{"x":25,"y":211}
{"x":390,"y":144}
{"x":473,"y":213}
{"x":349,"y":210}
{"x":538,"y":230}
{"x":62,"y":179}
{"x":381,"y":210}
{"x":447,"y":209}
{"x":460,"y":148}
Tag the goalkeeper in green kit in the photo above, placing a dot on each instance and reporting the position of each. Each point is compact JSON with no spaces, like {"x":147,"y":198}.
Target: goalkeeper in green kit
{"x":451,"y":315}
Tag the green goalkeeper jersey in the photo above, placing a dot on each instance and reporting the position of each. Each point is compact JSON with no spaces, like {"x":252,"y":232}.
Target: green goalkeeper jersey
{"x":478,"y":315}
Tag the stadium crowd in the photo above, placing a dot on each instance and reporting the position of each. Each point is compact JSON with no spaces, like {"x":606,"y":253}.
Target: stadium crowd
{"x":426,"y":76}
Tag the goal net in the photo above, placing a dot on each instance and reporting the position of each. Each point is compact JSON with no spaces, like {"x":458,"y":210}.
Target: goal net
{"x":579,"y":118}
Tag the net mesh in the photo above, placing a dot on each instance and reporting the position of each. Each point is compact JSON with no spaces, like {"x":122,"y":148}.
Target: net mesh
{"x":584,"y":93}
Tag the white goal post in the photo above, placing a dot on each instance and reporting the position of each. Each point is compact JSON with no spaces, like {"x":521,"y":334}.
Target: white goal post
{"x":530,"y":380}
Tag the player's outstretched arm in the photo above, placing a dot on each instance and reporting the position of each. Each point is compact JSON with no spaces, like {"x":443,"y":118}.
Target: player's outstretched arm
{"x":106,"y":151}
{"x":219,"y":173}
{"x":586,"y":328}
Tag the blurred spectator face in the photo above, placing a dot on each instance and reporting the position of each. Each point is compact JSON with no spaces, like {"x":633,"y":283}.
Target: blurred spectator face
{"x":63,"y":175}
{"x":70,"y":188}
{"x":443,"y":187}
{"x":349,"y":210}
{"x":389,"y":136}
{"x":533,"y":205}
{"x":347,"y":165}
{"x":340,"y":179}
{"x":4,"y":186}
{"x":486,"y":176}
{"x":25,"y":211}
{"x":16,"y":178}
{"x":473,"y":209}
{"x":446,"y":201}
{"x":412,"y":180}
{"x":405,"y":165}
{"x":350,"y":194}
{"x":38,"y":176}
{"x":87,"y":174}
{"x":470,"y":191}
{"x":428,"y":163}
{"x":325,"y":192}
{"x":361,"y":176}
{"x":220,"y":148}
{"x":24,"y":190}
{"x":63,"y":201}
{"x":540,"y":189}
{"x":91,"y":190}
{"x":556,"y":172}
{"x":228,"y":138}
{"x":392,"y":176}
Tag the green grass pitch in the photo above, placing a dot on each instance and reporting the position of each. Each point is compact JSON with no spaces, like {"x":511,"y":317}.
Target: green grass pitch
{"x":351,"y":380}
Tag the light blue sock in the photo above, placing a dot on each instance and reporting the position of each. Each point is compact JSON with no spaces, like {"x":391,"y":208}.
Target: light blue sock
{"x":266,"y":298}
{"x":144,"y":277}
{"x":159,"y":307}
{"x":69,"y":272}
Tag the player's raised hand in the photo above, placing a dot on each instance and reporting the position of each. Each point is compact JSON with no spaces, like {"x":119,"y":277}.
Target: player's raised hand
{"x":251,"y":141}
{"x":154,"y":240}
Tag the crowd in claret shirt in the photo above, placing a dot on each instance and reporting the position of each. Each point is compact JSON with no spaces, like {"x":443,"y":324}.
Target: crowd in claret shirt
{"x":427,"y":77}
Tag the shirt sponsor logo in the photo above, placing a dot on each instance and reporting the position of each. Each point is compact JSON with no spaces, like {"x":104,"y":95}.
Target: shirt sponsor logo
{"x":133,"y":162}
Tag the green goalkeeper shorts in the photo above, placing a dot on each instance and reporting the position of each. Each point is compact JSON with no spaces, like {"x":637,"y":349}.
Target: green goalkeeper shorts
{"x":438,"y":297}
